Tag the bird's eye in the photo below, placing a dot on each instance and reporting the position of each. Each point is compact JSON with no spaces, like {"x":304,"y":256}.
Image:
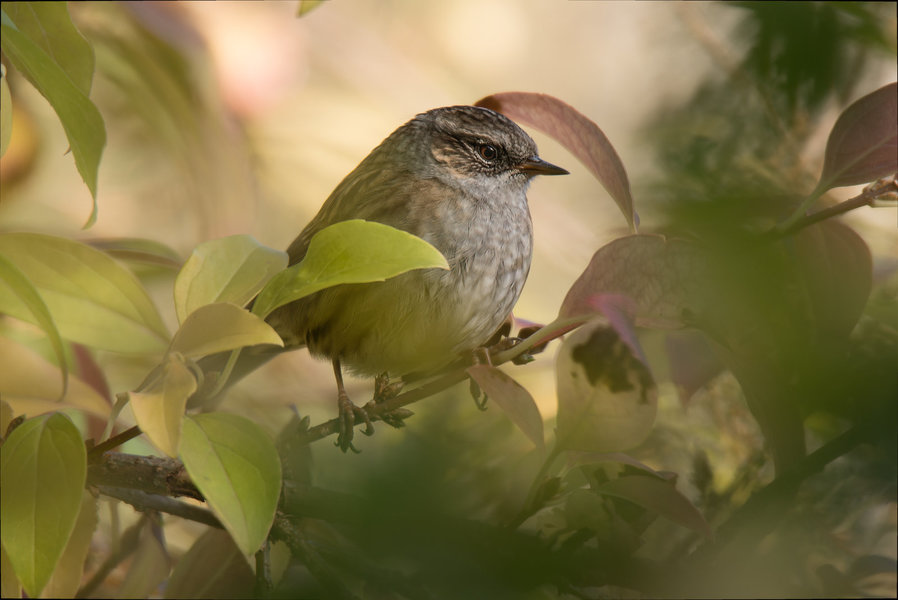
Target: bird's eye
{"x":488,"y":152}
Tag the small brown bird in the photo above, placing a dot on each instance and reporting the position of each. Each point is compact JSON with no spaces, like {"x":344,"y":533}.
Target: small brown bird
{"x":456,"y":177}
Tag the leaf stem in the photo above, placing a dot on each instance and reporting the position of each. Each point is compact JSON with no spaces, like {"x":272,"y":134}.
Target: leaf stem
{"x":794,"y":224}
{"x":528,"y":508}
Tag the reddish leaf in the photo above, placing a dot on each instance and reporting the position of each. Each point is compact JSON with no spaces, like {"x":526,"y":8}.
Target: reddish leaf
{"x":659,"y":496}
{"x":662,"y":277}
{"x":692,"y":362}
{"x":512,"y":398}
{"x":575,"y":132}
{"x":863,"y":144}
{"x":838,"y":272}
{"x":619,"y":310}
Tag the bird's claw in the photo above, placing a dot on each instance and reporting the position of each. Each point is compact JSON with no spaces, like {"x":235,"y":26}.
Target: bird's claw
{"x":349,"y":415}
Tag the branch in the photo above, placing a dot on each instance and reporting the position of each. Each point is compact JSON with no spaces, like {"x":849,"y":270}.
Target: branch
{"x":886,"y":187}
{"x":149,"y":474}
{"x":377,"y":410}
{"x":751,"y":515}
{"x":142,"y":501}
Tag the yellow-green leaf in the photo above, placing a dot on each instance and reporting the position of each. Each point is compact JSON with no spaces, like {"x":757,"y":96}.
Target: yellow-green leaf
{"x":93,"y":299}
{"x":80,"y":119}
{"x":49,"y":26}
{"x":66,"y":578}
{"x":159,"y":412}
{"x":231,"y":269}
{"x":236,"y":467}
{"x":43,"y":465}
{"x":353,"y":251}
{"x":22,"y":287}
{"x":218,"y":327}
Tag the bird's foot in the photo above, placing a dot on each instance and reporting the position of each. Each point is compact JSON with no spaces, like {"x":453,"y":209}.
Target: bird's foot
{"x":349,"y":414}
{"x":384,"y":390}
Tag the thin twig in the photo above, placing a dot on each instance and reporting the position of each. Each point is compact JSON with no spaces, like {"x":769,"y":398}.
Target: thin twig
{"x":865,"y":198}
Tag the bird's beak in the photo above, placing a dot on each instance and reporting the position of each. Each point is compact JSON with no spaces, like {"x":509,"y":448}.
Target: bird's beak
{"x":537,"y":166}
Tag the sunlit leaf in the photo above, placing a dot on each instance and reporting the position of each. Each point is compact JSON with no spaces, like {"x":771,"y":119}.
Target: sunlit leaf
{"x":214,"y":567}
{"x":43,"y":465}
{"x":511,"y":397}
{"x":231,"y":269}
{"x":218,"y":327}
{"x":139,"y":251}
{"x":32,"y":385}
{"x":863,"y":144}
{"x":20,"y":286}
{"x":353,"y":251}
{"x":658,"y":496}
{"x":92,"y":298}
{"x":663,"y":278}
{"x":80,"y":119}
{"x":159,"y":411}
{"x":236,"y":467}
{"x":575,"y":132}
{"x":69,"y":571}
{"x":607,"y":399}
{"x":48,"y":25}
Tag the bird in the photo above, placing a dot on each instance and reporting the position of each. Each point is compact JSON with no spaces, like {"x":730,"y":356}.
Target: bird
{"x":456,"y":177}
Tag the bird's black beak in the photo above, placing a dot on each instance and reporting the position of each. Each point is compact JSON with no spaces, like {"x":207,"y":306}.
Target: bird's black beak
{"x":537,"y":166}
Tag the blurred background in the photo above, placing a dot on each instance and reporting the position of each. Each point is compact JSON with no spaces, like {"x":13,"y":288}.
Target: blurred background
{"x":239,"y":117}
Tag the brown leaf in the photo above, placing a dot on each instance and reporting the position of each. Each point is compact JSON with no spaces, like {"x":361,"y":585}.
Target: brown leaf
{"x":662,"y":277}
{"x":575,"y":132}
{"x":837,"y":269}
{"x":863,"y":144}
{"x":511,"y":397}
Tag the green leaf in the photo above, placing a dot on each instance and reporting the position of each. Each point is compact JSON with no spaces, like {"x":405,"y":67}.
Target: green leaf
{"x":659,"y":496}
{"x":43,"y":466}
{"x":5,"y":112}
{"x":93,"y":299}
{"x":80,"y":119}
{"x":513,"y":398}
{"x":48,"y":25}
{"x":353,"y":251}
{"x":159,"y":412}
{"x":306,"y":6}
{"x":218,"y":327}
{"x":236,"y":467}
{"x":231,"y":269}
{"x":70,"y":569}
{"x":21,"y":287}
